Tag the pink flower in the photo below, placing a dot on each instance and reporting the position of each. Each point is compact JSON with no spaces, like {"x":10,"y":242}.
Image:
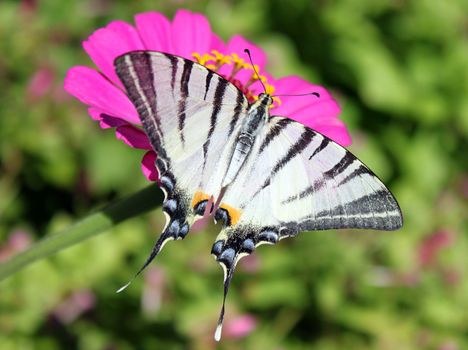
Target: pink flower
{"x":151,"y":298}
{"x":17,"y":242}
{"x":188,"y":35}
{"x":75,"y":305}
{"x":240,"y":326}
{"x":431,"y":246}
{"x":40,"y":83}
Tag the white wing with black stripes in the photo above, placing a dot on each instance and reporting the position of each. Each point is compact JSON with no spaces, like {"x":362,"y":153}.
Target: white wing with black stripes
{"x":300,"y":180}
{"x":191,"y":116}
{"x":297,"y":180}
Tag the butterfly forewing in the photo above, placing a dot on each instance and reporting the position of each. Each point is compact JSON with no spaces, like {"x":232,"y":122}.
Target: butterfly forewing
{"x":190,"y":114}
{"x":187,"y":111}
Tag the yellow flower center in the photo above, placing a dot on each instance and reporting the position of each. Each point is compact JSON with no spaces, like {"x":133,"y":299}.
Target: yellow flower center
{"x":215,"y":60}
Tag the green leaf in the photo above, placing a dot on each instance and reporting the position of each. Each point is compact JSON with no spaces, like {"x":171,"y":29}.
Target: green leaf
{"x":98,"y":222}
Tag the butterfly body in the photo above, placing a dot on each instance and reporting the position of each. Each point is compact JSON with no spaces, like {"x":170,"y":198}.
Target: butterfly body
{"x":266,"y":177}
{"x":255,"y":121}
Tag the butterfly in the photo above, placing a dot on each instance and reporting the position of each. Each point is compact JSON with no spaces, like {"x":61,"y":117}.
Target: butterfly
{"x":265,"y":177}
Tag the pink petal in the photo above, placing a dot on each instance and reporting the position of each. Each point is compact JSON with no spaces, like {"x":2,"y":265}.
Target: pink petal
{"x":105,"y":121}
{"x":191,"y":32}
{"x":293,"y":85}
{"x":91,"y":88}
{"x":105,"y":44}
{"x":148,"y":167}
{"x":133,"y":136}
{"x":337,"y":133}
{"x":217,"y":43}
{"x":237,"y":44}
{"x":155,"y":31}
{"x":317,"y":117}
{"x":320,"y":114}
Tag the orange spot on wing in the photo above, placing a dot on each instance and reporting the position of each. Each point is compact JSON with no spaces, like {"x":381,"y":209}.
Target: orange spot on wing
{"x":233,"y":213}
{"x":198,"y":197}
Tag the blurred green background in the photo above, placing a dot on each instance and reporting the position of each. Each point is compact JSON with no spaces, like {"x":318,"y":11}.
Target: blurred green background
{"x":400,"y":71}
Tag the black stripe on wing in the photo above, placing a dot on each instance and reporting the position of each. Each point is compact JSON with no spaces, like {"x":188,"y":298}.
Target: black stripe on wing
{"x":301,"y":144}
{"x":237,"y":111}
{"x":320,"y":148}
{"x":316,"y":186}
{"x":218,"y":101}
{"x":184,"y":93}
{"x":174,"y":68}
{"x":135,"y":72}
{"x":209,"y":76}
{"x":341,"y":166}
{"x":274,"y":132}
{"x":378,"y":210}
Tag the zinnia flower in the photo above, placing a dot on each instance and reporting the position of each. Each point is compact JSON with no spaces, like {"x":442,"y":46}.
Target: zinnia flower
{"x":189,"y":35}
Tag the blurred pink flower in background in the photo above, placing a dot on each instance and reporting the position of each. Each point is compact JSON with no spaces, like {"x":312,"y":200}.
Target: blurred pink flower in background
{"x":28,"y":7}
{"x":431,"y":246}
{"x":151,"y":298}
{"x":240,"y":326}
{"x":449,"y":345}
{"x":74,"y":306}
{"x":188,"y":35}
{"x":16,"y":242}
{"x":40,"y":83}
{"x":463,"y":185}
{"x":427,"y":254}
{"x":250,"y":263}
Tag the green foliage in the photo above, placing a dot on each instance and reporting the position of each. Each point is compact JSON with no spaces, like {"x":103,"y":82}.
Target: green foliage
{"x":398,"y":69}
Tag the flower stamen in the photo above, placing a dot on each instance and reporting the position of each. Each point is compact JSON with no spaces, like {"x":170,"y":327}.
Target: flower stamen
{"x":215,"y":60}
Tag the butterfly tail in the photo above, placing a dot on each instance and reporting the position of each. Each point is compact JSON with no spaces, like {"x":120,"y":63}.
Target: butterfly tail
{"x":172,"y":231}
{"x":229,"y":248}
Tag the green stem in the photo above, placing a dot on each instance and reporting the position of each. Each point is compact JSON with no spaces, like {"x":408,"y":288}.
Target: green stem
{"x":98,"y":222}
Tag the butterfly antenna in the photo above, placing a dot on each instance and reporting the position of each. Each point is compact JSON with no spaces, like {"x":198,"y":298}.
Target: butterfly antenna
{"x":307,"y":94}
{"x":247,"y":51}
{"x":163,"y":239}
{"x":229,"y":272}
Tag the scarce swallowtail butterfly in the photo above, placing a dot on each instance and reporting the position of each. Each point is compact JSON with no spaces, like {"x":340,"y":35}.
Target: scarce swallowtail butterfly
{"x":265,"y":177}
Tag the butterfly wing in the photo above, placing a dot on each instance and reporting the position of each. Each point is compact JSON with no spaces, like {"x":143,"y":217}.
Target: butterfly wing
{"x":189,"y":114}
{"x":298,"y":180}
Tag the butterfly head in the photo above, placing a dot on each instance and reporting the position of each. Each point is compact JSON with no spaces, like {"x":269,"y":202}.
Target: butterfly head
{"x":265,"y":99}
